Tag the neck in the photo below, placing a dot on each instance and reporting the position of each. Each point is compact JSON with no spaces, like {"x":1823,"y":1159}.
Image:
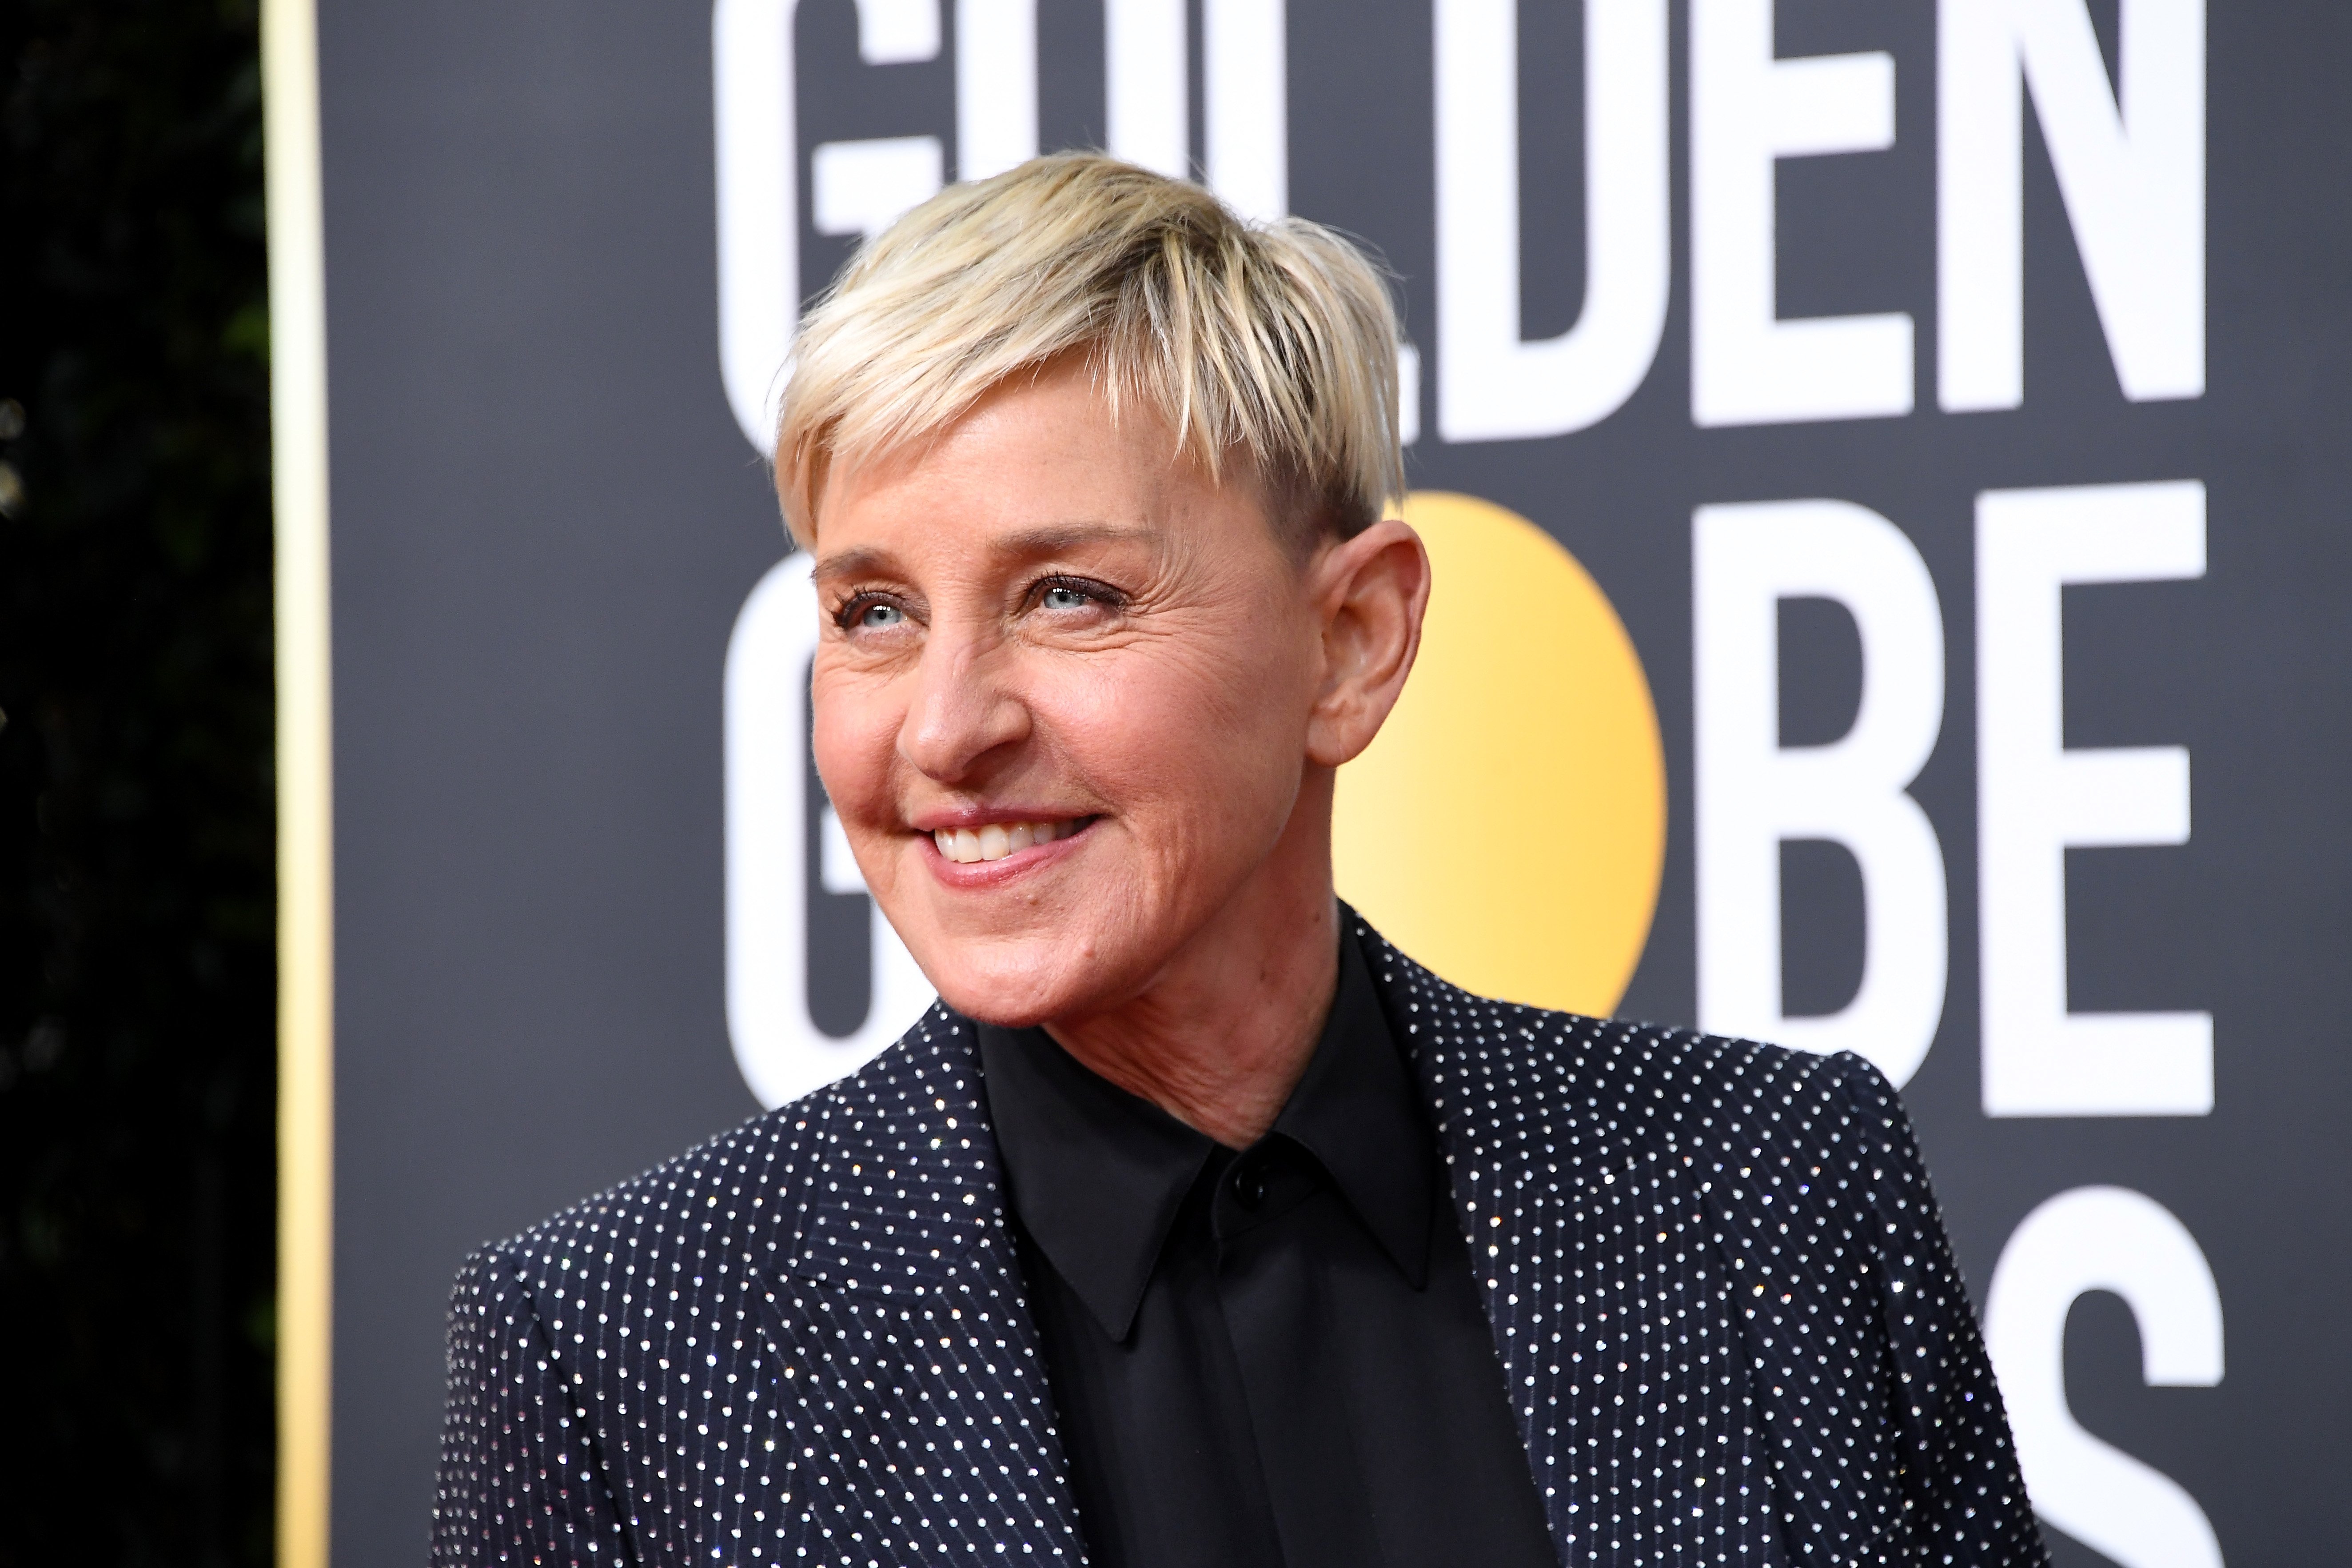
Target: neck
{"x":1224,"y":1032}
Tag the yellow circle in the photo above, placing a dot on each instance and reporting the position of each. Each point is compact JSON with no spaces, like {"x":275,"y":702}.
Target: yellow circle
{"x":1508,"y":828}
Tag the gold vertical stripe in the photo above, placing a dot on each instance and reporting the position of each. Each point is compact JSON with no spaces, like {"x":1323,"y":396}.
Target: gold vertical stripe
{"x":305,"y":975}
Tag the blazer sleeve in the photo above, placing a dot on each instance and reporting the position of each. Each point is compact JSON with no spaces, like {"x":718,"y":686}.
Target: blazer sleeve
{"x":520,"y":1478}
{"x":1963,"y":1496}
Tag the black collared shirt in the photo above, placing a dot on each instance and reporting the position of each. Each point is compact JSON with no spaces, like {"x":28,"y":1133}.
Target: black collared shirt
{"x":1273,"y":1357}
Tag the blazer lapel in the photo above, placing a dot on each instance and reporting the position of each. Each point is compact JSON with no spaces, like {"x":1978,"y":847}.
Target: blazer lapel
{"x":1598,"y":1263}
{"x":902,"y":1344}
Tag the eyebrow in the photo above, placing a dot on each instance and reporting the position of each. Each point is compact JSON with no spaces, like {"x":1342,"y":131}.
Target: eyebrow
{"x":1053,"y":538}
{"x":859,"y":562}
{"x":1048,"y":540}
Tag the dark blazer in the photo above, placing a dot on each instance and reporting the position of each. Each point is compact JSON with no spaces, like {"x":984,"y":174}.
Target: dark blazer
{"x":1728,"y":1319}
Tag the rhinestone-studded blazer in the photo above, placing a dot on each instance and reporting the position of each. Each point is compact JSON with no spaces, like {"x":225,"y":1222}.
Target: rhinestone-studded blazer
{"x":1730,"y":1325}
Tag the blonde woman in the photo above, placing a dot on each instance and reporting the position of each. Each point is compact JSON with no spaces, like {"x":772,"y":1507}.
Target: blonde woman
{"x":1197,"y":1225}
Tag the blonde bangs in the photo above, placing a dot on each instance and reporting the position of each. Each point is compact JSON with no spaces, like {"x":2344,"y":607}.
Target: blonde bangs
{"x":1274,"y":342}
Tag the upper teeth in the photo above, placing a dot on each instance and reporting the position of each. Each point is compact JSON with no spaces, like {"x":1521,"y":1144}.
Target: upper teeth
{"x":998,"y":839}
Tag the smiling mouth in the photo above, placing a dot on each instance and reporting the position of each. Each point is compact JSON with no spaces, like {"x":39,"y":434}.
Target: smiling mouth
{"x":968,"y":845}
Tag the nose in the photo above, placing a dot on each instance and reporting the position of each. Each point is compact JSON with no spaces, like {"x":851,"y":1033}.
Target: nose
{"x":965,"y":709}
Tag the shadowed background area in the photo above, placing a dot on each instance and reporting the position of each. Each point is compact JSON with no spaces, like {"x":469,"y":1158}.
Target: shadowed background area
{"x":136,"y":923}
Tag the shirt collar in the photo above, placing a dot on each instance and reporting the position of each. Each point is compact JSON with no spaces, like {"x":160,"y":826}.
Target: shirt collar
{"x":1095,"y":1175}
{"x":1358,"y":1112}
{"x":1098,"y":1175}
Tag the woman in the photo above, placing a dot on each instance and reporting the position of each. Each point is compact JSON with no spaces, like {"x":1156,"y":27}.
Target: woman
{"x":1196,"y":1224}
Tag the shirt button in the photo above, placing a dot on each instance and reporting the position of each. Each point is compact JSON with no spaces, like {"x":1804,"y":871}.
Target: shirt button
{"x":1249,"y":1184}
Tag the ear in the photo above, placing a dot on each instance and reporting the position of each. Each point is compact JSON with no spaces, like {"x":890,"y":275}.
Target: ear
{"x":1372,"y":591}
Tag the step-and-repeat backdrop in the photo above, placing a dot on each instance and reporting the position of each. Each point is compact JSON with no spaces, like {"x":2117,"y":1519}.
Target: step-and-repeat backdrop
{"x":1904,"y":444}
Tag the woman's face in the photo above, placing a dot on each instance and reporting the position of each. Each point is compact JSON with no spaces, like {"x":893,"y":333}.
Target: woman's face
{"x":1066,"y":694}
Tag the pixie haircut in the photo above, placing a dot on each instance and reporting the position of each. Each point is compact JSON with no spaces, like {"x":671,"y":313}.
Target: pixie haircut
{"x":1269,"y":344}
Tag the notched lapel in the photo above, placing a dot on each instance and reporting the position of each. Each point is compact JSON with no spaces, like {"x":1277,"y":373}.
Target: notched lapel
{"x":1563,"y":1139}
{"x":906,"y":1183}
{"x":904,"y":1351}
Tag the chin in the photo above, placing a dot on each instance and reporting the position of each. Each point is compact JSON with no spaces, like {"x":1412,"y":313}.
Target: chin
{"x":1013,"y":982}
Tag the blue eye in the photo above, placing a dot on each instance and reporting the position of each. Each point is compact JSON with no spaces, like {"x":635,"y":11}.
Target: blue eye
{"x":875,"y":617}
{"x":1059,"y":597}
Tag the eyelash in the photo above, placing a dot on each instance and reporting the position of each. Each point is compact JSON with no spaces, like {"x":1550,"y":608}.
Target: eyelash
{"x":1102,"y":594}
{"x":856,"y":601}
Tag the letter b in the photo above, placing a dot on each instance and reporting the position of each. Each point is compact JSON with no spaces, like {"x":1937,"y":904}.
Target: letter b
{"x":1754,"y":792}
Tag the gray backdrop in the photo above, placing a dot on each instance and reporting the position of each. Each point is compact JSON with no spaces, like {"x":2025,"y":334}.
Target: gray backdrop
{"x":545,"y":519}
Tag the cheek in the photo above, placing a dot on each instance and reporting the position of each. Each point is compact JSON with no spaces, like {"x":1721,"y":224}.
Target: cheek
{"x":854,"y":733}
{"x":1209,"y":724}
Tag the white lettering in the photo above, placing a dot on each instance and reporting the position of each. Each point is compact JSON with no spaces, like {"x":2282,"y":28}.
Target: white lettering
{"x":1492,"y":384}
{"x":2035,"y":799}
{"x":897,"y":32}
{"x":1748,"y":111}
{"x":2104,"y":1239}
{"x":1146,"y":61}
{"x":780,"y":1050}
{"x":1752,"y":793}
{"x":1245,"y":99}
{"x":2131,"y":168}
{"x":862,"y":187}
{"x":996,"y":86}
{"x":858,"y":187}
{"x":758,"y":160}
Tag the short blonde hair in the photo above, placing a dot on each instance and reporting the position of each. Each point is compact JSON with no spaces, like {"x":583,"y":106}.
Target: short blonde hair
{"x":1275,"y":342}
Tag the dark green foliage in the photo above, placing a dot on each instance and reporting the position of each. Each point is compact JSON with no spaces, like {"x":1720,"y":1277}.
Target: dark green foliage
{"x":136,"y":950}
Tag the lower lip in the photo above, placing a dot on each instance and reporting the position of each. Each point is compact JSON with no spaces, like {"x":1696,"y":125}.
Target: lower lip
{"x":979,"y":874}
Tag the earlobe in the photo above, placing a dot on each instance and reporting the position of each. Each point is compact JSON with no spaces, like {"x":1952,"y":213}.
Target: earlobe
{"x":1374,"y":592}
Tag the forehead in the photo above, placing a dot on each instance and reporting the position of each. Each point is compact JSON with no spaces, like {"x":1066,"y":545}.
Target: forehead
{"x":1037,"y":463}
